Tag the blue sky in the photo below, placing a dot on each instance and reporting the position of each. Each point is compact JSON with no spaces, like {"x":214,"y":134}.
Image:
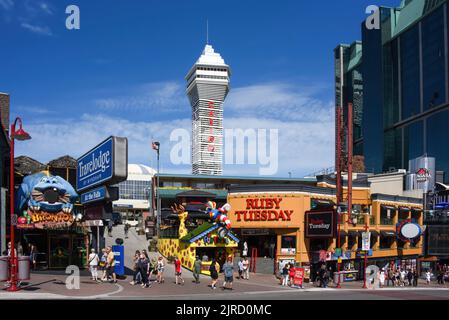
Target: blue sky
{"x":123,"y":72}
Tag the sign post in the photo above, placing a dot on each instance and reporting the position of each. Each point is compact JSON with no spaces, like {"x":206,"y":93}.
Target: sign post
{"x":365,"y":247}
{"x":98,"y":169}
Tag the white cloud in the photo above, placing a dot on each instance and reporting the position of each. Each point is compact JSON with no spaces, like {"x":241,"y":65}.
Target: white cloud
{"x":46,"y":31}
{"x":7,"y":4}
{"x":305,"y":126}
{"x":46,"y":8}
{"x":279,"y":101}
{"x":159,"y":96}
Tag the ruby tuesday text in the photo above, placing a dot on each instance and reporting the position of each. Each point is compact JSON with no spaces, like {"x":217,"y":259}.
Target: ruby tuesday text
{"x":264,"y":210}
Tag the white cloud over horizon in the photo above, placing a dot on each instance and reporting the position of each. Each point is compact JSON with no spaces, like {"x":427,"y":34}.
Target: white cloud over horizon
{"x":305,"y":125}
{"x":41,"y":30}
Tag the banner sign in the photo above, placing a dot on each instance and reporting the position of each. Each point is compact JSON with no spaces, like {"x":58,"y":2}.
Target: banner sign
{"x":107,"y":163}
{"x":366,"y":241}
{"x":100,"y":194}
{"x":298,"y":278}
{"x":320,"y":224}
{"x":438,"y":240}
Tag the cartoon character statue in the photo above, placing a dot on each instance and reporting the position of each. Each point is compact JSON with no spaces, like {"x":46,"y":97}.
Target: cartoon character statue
{"x":220,"y":216}
{"x":182,"y":215}
{"x":43,"y":193}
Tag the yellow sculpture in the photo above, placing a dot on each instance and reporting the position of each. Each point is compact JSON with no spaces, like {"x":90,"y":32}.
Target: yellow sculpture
{"x":182,"y":215}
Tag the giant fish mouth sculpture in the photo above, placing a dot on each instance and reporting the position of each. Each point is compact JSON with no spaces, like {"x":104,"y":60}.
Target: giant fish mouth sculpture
{"x":51,"y":196}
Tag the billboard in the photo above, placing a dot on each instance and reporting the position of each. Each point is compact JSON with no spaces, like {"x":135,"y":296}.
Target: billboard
{"x":438,"y":240}
{"x":107,"y":163}
{"x":320,"y":224}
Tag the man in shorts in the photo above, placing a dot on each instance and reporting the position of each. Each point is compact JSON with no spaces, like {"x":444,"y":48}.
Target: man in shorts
{"x":228,"y":270}
{"x":110,"y":264}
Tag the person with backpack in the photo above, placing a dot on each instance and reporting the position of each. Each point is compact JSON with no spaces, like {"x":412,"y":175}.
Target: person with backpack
{"x":126,"y":229}
{"x":214,"y":269}
{"x":228,"y":269}
{"x":93,"y":264}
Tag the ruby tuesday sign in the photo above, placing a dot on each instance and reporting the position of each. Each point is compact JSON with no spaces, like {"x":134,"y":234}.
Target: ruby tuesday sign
{"x":320,"y":224}
{"x":264,"y":210}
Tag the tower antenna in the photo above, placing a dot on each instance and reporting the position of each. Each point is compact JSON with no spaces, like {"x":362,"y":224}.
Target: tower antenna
{"x":207,"y":31}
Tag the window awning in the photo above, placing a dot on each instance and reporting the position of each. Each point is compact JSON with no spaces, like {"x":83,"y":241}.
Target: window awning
{"x":388,"y":234}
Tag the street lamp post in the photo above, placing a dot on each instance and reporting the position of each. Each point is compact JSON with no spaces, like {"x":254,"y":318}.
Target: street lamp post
{"x":366,"y":258}
{"x":20,"y":135}
{"x":156,"y":147}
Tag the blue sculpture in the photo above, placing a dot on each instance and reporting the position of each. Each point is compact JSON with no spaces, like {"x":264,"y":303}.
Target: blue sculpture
{"x":42,"y":193}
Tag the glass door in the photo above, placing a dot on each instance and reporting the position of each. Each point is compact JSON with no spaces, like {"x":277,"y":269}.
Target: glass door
{"x":59,"y":251}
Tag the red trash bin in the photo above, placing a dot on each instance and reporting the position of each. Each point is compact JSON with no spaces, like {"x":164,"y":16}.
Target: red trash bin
{"x":4,"y":268}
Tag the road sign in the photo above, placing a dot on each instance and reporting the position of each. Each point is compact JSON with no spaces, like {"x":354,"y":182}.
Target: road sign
{"x":107,"y":163}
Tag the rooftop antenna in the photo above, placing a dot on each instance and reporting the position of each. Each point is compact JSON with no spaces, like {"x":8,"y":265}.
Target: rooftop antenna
{"x":207,"y":31}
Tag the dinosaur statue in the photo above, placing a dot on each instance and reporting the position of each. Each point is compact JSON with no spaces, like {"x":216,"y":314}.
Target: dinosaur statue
{"x":182,"y":214}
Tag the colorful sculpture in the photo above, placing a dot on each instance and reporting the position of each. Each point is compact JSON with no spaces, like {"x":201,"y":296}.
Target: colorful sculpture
{"x":46,"y":199}
{"x":220,"y":216}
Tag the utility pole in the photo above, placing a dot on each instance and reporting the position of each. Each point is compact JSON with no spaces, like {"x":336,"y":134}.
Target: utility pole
{"x":339,"y":190}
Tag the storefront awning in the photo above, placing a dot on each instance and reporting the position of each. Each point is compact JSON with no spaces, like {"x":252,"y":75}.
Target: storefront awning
{"x":404,"y":209}
{"x":388,"y":207}
{"x":388,"y":234}
{"x":416,"y":210}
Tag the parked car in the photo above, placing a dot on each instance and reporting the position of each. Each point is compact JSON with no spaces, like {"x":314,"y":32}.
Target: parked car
{"x":133,"y":222}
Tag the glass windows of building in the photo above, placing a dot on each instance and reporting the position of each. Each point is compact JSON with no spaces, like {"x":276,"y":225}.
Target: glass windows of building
{"x":385,"y":242}
{"x":433,"y":56}
{"x":391,"y":83}
{"x":387,"y":216}
{"x":134,"y":190}
{"x":413,"y":141}
{"x":288,"y":244}
{"x":352,"y":240}
{"x":392,"y":149}
{"x":404,"y":214}
{"x":410,"y":74}
{"x":437,"y":141}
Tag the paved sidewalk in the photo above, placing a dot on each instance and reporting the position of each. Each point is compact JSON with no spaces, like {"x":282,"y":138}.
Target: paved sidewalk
{"x":52,"y":286}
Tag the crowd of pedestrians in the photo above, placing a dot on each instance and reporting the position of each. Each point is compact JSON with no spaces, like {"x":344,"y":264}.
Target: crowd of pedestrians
{"x":102,"y":268}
